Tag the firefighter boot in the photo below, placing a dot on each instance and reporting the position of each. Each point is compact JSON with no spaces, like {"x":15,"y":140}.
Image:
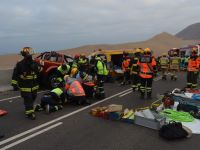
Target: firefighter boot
{"x":164,"y":77}
{"x":175,"y":78}
{"x":38,"y":108}
{"x":149,"y":95}
{"x":142,"y":95}
{"x":172,"y":77}
{"x":31,"y":116}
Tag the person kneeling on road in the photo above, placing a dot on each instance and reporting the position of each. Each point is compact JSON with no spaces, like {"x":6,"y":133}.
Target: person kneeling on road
{"x":52,"y":101}
{"x":74,"y":91}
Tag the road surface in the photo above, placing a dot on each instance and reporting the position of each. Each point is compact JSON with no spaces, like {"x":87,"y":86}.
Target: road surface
{"x":73,"y":128}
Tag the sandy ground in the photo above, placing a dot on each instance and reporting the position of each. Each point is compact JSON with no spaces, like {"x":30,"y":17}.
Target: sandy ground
{"x":159,"y":44}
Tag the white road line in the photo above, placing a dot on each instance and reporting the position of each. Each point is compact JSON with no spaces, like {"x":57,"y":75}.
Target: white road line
{"x":6,"y":99}
{"x":31,"y":136}
{"x":126,"y":93}
{"x":58,"y":119}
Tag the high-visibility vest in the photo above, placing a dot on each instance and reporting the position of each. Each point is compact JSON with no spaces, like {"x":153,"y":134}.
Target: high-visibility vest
{"x":125,"y":64}
{"x":175,"y":60}
{"x":101,"y":68}
{"x":193,"y":65}
{"x":63,"y":71}
{"x":164,"y":61}
{"x":134,"y":66}
{"x":146,"y":68}
{"x":76,"y":89}
{"x":82,"y":61}
{"x":57,"y":91}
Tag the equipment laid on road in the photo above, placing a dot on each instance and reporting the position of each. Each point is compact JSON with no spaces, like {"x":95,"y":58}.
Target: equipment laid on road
{"x":3,"y":112}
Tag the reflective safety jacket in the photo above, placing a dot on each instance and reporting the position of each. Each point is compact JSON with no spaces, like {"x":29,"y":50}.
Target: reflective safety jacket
{"x":126,"y":65}
{"x":164,"y":61}
{"x":134,"y":66}
{"x":63,"y":72}
{"x":147,"y":66}
{"x":26,"y":75}
{"x":175,"y":63}
{"x":60,"y":73}
{"x":175,"y":60}
{"x":101,"y":68}
{"x":74,"y":88}
{"x":198,"y":60}
{"x":58,"y":95}
{"x":14,"y":81}
{"x":193,"y":65}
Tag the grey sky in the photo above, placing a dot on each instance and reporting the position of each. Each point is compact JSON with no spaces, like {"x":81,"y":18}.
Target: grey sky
{"x":60,"y":24}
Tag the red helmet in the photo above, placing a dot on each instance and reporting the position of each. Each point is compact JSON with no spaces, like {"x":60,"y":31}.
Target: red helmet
{"x":77,"y":56}
{"x":167,"y":101}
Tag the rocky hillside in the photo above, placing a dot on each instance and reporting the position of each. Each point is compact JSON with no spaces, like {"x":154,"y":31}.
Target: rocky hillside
{"x":191,"y":32}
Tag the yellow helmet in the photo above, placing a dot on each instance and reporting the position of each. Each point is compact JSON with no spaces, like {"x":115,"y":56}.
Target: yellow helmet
{"x":138,"y":50}
{"x":194,"y":50}
{"x":26,"y":51}
{"x":74,"y":71}
{"x":147,"y":50}
{"x":164,"y":54}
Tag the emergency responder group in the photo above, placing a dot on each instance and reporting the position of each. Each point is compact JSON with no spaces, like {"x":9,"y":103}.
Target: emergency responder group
{"x":26,"y":73}
{"x":139,"y":70}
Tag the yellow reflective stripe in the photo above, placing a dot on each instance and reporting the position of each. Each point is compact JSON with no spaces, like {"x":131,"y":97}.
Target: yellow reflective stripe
{"x":29,"y":89}
{"x":29,"y":111}
{"x":28,"y":77}
{"x":14,"y":82}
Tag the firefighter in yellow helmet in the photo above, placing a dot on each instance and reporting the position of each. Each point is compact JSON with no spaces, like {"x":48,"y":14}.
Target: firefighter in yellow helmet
{"x":164,"y":64}
{"x":26,"y":74}
{"x":134,"y":70}
{"x":126,"y":68}
{"x":147,"y":68}
{"x":83,"y":63}
{"x":101,"y":72}
{"x":192,"y":70}
{"x":174,"y":63}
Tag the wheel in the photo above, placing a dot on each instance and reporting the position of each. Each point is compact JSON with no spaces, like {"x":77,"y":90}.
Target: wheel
{"x":52,"y":81}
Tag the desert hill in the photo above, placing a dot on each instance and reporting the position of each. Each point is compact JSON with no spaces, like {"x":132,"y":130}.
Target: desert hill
{"x":192,"y":32}
{"x":159,"y":43}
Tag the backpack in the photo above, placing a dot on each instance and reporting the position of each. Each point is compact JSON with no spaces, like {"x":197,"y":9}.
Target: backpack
{"x":172,"y":131}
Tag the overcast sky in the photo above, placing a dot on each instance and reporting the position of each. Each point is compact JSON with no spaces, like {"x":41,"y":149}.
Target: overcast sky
{"x":61,"y":24}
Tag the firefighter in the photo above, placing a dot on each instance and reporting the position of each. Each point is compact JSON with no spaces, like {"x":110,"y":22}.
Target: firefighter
{"x":174,"y":63}
{"x":134,"y":70}
{"x":26,"y":74}
{"x":83,"y":63}
{"x":53,"y":100}
{"x":74,"y":68}
{"x":164,"y":64}
{"x":192,"y":70}
{"x":101,"y":71}
{"x":61,"y":71}
{"x":147,"y":67}
{"x":14,"y":83}
{"x":126,"y":69}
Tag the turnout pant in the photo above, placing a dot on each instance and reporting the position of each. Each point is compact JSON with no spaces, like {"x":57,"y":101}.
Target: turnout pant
{"x":146,"y":85}
{"x":100,"y":84}
{"x":192,"y":79}
{"x":126,"y":76}
{"x":135,"y":81}
{"x":29,"y":99}
{"x":48,"y":100}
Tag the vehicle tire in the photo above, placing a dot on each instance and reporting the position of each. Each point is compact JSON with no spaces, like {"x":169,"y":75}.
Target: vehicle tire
{"x":52,"y":81}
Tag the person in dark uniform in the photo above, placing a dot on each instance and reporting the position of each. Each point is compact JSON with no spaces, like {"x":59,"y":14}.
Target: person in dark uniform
{"x":26,"y":74}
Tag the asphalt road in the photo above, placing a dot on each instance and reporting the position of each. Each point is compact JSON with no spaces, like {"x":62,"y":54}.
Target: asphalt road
{"x":74,"y":128}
